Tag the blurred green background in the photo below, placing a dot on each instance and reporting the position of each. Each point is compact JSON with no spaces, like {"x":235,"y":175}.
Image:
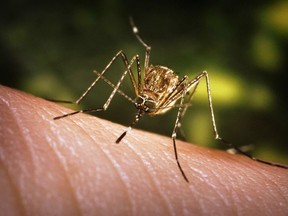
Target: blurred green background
{"x":50,"y":49}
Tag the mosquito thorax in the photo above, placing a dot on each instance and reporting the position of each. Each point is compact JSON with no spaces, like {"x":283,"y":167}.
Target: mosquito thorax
{"x":159,"y":82}
{"x":143,"y":102}
{"x":160,"y":79}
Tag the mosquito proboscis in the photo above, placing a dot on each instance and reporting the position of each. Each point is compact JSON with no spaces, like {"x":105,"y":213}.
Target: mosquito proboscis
{"x":158,"y":91}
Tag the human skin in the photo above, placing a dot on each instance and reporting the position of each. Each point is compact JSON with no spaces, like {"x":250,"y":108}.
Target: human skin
{"x":72,"y":166}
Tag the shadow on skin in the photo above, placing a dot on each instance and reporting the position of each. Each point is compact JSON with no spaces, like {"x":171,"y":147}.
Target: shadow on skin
{"x":72,"y":166}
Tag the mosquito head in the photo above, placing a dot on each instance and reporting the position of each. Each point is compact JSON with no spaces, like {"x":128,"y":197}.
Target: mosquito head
{"x":145,"y":104}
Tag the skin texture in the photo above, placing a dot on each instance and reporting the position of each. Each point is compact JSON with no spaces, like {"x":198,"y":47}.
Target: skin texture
{"x":72,"y":166}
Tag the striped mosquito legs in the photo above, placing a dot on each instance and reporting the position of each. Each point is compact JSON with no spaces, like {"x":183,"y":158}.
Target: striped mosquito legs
{"x":105,"y":106}
{"x":116,"y":87}
{"x":128,"y":67}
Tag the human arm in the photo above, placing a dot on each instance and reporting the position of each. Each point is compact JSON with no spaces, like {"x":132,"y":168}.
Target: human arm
{"x":72,"y":166}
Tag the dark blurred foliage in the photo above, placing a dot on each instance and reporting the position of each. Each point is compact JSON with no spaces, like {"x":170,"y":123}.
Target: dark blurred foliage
{"x":50,"y":49}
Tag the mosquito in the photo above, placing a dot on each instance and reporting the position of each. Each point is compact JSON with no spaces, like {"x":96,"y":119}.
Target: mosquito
{"x":157,"y":92}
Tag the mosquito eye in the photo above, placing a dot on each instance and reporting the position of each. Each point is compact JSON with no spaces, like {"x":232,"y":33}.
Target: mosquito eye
{"x":139,"y":100}
{"x":150,"y":104}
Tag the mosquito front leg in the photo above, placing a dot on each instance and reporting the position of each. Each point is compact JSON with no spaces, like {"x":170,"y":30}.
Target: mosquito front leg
{"x":105,"y":106}
{"x":124,"y":58}
{"x":114,"y":86}
{"x":107,"y":103}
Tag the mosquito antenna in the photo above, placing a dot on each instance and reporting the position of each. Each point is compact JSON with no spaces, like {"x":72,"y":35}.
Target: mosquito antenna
{"x":148,"y":48}
{"x":136,"y":32}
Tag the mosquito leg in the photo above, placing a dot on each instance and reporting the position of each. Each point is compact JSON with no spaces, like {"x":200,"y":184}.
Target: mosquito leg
{"x":217,"y":137}
{"x":251,"y":157}
{"x":185,"y":107}
{"x":177,"y":160}
{"x":136,"y":57}
{"x":140,"y":86}
{"x":174,"y":134}
{"x":114,"y":86}
{"x":78,"y":111}
{"x":124,"y":58}
{"x":105,"y":106}
{"x":59,"y":101}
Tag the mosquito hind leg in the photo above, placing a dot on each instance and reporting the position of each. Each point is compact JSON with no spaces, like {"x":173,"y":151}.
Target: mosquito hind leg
{"x":217,"y":137}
